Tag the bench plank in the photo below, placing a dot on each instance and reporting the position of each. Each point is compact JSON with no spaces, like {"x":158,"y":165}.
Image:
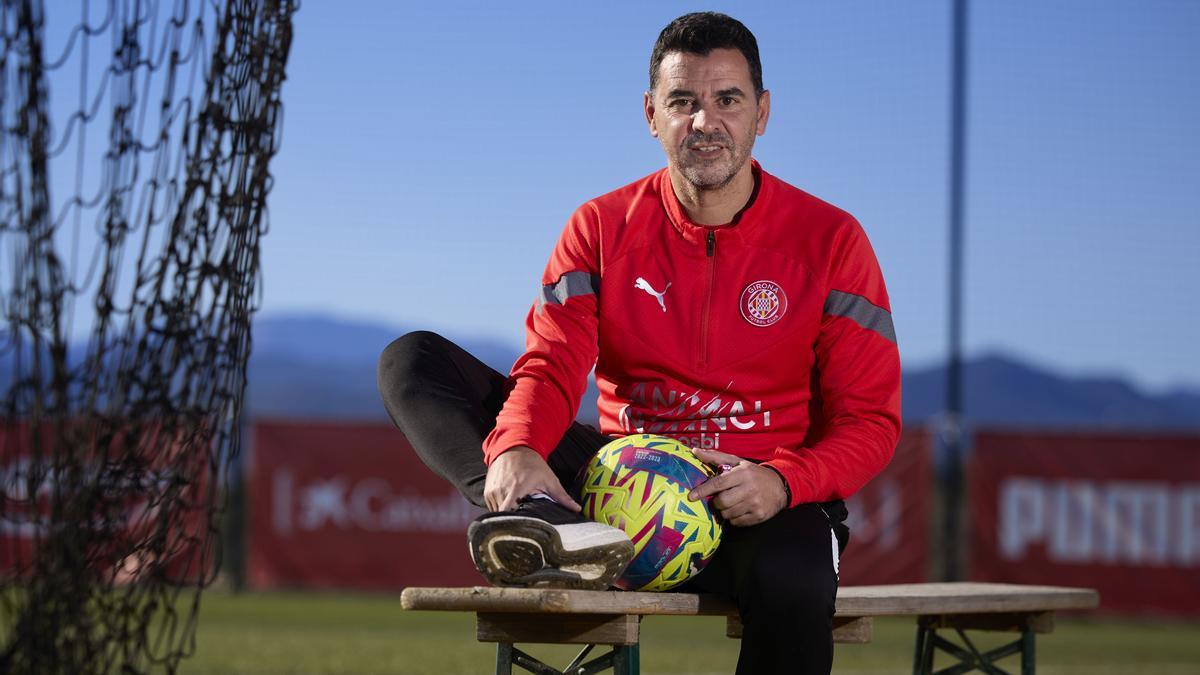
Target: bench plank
{"x":960,"y":598}
{"x":560,"y":601}
{"x":852,"y":601}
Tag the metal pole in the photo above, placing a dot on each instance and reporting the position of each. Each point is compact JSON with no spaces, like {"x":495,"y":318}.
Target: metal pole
{"x":952,"y":423}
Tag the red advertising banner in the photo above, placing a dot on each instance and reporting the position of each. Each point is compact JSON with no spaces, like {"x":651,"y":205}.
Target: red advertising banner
{"x":351,"y":506}
{"x":153,"y":487}
{"x":889,"y":519}
{"x":1115,"y":512}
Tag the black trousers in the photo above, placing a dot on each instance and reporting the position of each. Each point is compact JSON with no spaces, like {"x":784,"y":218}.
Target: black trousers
{"x":782,"y":573}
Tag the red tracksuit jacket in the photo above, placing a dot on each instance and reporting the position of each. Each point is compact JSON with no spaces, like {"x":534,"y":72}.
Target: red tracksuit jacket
{"x":770,"y":339}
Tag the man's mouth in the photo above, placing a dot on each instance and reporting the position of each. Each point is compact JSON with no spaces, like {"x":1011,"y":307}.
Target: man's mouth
{"x":706,"y":148}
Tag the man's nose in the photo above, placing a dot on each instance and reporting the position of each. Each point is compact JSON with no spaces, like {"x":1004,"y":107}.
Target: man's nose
{"x":704,"y":121}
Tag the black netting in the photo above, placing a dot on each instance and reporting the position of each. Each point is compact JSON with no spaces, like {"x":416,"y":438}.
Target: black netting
{"x":132,"y":204}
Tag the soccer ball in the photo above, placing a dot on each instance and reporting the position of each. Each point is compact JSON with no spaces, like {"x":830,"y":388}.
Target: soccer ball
{"x":639,"y":484}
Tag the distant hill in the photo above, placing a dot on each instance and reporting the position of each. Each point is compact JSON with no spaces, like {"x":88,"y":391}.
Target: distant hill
{"x":316,"y":338}
{"x":320,"y":367}
{"x":1003,"y":391}
{"x":315,"y":367}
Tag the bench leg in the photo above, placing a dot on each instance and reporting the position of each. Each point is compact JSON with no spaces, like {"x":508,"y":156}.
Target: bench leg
{"x":626,"y":660}
{"x":1028,"y":662}
{"x":968,"y":656}
{"x":923,"y":655}
{"x":622,"y":660}
{"x":504,"y":658}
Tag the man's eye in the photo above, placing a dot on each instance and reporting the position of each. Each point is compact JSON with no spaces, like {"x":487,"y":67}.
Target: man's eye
{"x":728,"y":100}
{"x":680,"y":103}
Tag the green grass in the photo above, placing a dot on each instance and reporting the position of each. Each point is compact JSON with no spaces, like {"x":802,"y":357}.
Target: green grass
{"x":337,"y":633}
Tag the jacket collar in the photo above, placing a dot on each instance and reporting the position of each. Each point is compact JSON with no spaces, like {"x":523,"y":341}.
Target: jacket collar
{"x":745,"y":221}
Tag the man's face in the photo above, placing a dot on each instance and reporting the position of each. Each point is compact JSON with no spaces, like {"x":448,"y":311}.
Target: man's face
{"x":704,"y":111}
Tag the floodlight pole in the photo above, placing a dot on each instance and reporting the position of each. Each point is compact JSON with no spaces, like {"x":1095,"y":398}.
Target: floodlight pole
{"x":952,"y":427}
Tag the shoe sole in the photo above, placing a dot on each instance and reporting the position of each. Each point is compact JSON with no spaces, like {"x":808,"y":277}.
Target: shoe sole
{"x":520,"y":551}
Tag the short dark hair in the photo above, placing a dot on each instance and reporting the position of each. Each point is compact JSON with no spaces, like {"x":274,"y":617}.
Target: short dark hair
{"x":702,"y":32}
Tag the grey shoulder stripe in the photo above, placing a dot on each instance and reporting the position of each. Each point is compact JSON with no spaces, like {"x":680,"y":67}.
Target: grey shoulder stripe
{"x":569,"y":285}
{"x":861,"y":311}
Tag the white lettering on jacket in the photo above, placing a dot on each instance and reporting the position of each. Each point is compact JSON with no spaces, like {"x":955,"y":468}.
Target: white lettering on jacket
{"x":695,"y":419}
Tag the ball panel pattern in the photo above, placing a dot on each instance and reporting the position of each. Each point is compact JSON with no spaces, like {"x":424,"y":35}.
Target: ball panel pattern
{"x":640,"y":484}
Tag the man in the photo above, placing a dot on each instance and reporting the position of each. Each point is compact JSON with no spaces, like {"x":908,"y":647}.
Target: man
{"x":719,"y":306}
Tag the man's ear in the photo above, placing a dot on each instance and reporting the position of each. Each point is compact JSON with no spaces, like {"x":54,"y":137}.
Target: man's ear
{"x":648,"y":109}
{"x":764,"y":112}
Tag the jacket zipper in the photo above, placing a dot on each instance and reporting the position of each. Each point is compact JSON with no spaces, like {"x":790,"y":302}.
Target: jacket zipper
{"x":710,"y":251}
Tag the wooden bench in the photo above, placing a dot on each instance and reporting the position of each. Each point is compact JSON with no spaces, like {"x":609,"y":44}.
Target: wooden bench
{"x":508,"y":616}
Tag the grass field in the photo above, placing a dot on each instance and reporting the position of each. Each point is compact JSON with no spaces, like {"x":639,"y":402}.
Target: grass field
{"x":338,"y":633}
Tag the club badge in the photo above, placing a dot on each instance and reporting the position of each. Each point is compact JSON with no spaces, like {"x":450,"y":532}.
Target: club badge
{"x":763,"y":303}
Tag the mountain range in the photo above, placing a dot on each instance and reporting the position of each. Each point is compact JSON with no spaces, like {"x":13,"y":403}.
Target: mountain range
{"x":320,"y":367}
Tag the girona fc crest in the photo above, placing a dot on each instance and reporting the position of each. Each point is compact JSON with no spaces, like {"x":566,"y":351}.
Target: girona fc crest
{"x":763,"y":303}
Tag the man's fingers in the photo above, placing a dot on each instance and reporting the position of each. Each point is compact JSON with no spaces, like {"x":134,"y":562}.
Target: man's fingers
{"x":738,"y":506}
{"x":560,"y":495}
{"x":735,"y":503}
{"x":554,"y":491}
{"x":703,"y":490}
{"x":519,"y":472}
{"x":737,"y":517}
{"x":716,"y":458}
{"x":729,"y":498}
{"x":709,"y":487}
{"x":491,"y":498}
{"x":508,"y":503}
{"x":744,"y":520}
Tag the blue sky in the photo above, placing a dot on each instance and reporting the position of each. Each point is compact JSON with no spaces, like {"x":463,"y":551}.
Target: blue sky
{"x":432,"y":152}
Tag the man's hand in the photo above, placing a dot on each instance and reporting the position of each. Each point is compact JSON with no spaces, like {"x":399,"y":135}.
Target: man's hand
{"x":747,"y":494}
{"x":519,"y":472}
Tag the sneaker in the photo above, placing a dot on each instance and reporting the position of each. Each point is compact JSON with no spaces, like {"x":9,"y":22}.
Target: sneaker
{"x":541,"y":543}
